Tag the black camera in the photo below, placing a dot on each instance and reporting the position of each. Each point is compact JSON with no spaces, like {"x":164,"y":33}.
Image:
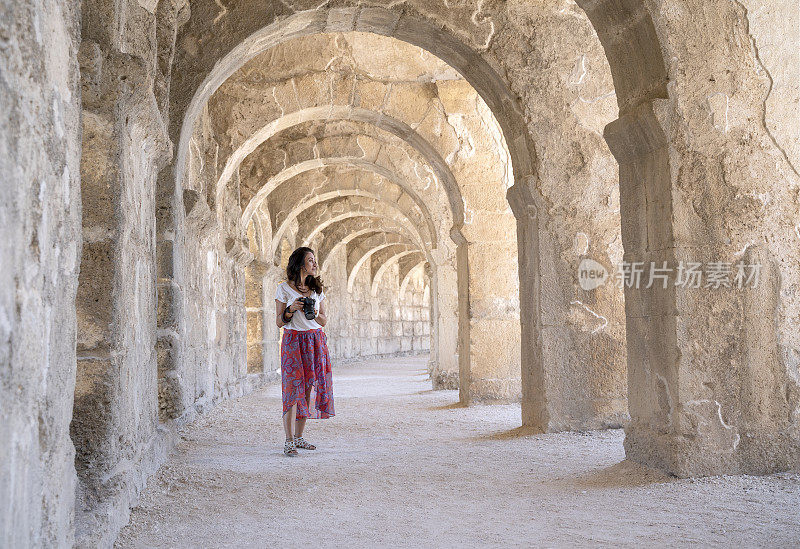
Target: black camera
{"x":308,"y":307}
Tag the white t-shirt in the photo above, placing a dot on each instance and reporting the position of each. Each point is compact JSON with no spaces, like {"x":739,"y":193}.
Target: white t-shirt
{"x":299,"y":323}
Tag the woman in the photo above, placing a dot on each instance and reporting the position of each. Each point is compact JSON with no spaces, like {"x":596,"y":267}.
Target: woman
{"x":305,"y":362}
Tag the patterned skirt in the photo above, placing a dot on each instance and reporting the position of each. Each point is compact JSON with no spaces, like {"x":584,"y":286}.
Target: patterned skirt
{"x":306,"y":364}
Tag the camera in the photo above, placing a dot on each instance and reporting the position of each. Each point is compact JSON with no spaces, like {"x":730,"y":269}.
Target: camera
{"x":308,"y":307}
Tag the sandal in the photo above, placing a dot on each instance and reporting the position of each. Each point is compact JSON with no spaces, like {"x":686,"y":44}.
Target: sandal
{"x":300,"y":442}
{"x":289,"y":448}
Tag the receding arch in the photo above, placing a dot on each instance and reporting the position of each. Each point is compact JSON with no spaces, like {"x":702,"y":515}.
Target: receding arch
{"x":395,"y":256}
{"x":352,"y":235}
{"x":372,"y":207}
{"x":405,"y":276}
{"x":348,"y":112}
{"x":330,"y":196}
{"x":357,"y":259}
{"x":365,"y":165}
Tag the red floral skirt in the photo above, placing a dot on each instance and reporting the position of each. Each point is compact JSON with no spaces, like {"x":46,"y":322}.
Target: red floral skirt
{"x":306,"y":364}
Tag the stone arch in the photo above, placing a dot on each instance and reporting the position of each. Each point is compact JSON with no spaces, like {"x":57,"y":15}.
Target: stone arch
{"x":297,"y":210}
{"x":633,"y":50}
{"x":369,"y":167}
{"x":365,"y":225}
{"x":406,"y":272}
{"x":386,"y":262}
{"x":394,"y":126}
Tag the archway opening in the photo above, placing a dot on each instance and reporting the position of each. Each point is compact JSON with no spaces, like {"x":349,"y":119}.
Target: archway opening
{"x":314,"y":136}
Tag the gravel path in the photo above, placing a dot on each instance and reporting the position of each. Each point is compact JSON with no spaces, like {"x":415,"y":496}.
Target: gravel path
{"x":403,"y":466}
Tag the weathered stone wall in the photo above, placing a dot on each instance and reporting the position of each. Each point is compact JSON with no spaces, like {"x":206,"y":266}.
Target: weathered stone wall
{"x":40,"y":250}
{"x":213,"y":361}
{"x":772,"y":28}
{"x":205,"y":296}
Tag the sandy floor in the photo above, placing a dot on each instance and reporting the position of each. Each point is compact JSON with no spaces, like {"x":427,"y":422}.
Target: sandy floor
{"x":403,"y":466}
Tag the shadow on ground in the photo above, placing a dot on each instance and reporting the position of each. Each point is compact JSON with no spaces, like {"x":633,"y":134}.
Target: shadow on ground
{"x":451,"y":406}
{"x":625,"y":474}
{"x":518,"y":432}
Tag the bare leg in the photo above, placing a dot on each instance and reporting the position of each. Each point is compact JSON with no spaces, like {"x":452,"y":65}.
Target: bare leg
{"x":288,"y":420}
{"x":301,"y":423}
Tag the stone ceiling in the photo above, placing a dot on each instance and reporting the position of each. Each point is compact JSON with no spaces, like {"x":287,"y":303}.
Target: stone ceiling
{"x":352,"y":140}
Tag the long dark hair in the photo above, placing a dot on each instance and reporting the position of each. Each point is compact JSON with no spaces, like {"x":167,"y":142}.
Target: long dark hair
{"x":296,"y":261}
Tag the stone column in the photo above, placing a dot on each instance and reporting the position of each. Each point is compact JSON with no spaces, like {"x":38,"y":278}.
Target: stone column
{"x":488,"y":316}
{"x":254,"y":304}
{"x":713,"y":385}
{"x":443,"y":366}
{"x":535,"y":411}
{"x":125,"y":144}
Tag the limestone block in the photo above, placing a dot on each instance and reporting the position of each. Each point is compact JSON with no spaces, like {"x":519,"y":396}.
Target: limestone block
{"x":254,"y":326}
{"x":291,"y":153}
{"x":370,"y":95}
{"x":457,"y":96}
{"x":435,"y":129}
{"x":493,"y":261}
{"x":99,"y":169}
{"x":342,"y":88}
{"x":409,"y":102}
{"x":313,"y":53}
{"x":94,"y":298}
{"x":377,"y":55}
{"x":494,"y":349}
{"x":477,"y":198}
{"x":313,"y":89}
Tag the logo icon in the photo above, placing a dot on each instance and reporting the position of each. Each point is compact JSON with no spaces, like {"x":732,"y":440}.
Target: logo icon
{"x":591,"y":274}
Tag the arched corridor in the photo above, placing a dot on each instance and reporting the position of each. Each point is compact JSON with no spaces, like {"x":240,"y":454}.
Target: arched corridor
{"x":405,"y":466}
{"x":584,"y":214}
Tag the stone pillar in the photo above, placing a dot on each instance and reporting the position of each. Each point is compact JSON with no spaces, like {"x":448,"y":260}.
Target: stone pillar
{"x":488,"y":316}
{"x":535,"y":411}
{"x":125,"y":144}
{"x":254,"y":303}
{"x":443,"y":366}
{"x":713,"y":385}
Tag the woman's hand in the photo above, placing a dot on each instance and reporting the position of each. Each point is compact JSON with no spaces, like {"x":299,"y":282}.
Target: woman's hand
{"x":281,"y":309}
{"x":322,"y":317}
